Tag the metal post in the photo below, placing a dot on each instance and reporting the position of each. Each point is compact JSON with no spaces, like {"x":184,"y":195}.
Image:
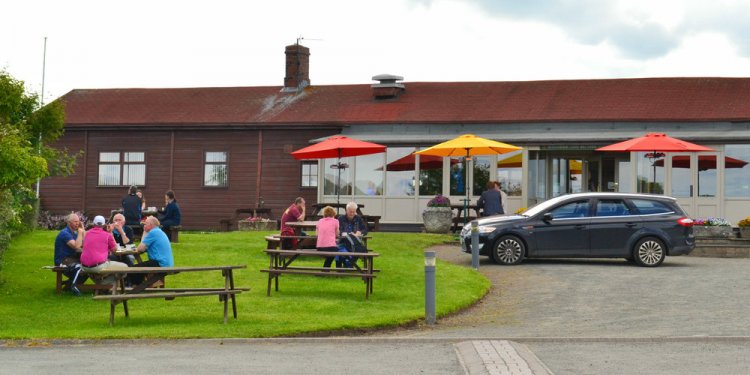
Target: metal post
{"x":429,"y":287}
{"x":474,"y":245}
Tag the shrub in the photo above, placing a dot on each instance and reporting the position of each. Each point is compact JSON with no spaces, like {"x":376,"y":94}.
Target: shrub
{"x":439,"y":201}
{"x":744,"y":222}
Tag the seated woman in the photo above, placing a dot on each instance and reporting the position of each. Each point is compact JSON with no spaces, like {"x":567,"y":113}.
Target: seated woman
{"x":172,"y":215}
{"x":328,"y":231}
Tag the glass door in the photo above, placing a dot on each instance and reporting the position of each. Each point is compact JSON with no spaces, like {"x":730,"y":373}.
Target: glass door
{"x":694,"y":182}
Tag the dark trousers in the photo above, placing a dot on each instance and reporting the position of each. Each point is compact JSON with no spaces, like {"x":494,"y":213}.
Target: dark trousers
{"x":137,"y":278}
{"x":328,"y":260}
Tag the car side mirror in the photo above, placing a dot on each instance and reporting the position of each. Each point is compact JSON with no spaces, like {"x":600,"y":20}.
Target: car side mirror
{"x":547,"y":217}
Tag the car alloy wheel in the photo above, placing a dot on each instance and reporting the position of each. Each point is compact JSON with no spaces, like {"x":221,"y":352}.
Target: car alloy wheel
{"x":509,"y":250}
{"x":649,"y":252}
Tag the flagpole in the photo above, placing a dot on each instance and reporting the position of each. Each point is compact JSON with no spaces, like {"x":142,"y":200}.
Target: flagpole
{"x":41,"y":104}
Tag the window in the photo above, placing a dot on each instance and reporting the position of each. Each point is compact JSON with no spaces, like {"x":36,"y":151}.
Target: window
{"x":122,"y":168}
{"x":215,"y":169}
{"x":369,"y":175}
{"x":737,"y":171}
{"x":309,"y":174}
{"x":571,"y":210}
{"x":648,"y":207}
{"x":612,"y":207}
{"x":400,"y":181}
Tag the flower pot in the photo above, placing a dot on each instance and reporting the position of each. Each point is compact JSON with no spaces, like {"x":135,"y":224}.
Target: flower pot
{"x":745,"y":232}
{"x":702,"y":231}
{"x":437,"y":219}
{"x":256,"y":225}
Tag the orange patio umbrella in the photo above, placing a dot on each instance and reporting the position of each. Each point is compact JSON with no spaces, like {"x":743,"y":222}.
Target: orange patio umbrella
{"x":468,"y":145}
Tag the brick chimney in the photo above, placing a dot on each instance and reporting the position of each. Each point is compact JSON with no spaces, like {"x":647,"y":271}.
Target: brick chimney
{"x":297,"y":68}
{"x":388,"y":88}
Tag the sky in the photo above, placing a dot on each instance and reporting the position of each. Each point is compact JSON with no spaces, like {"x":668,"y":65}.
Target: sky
{"x":218,"y":43}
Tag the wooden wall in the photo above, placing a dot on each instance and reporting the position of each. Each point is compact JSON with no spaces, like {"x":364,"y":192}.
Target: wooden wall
{"x":174,"y":160}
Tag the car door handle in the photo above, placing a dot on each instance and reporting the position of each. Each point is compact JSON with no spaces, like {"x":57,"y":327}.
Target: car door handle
{"x":580,"y":226}
{"x":630,"y":225}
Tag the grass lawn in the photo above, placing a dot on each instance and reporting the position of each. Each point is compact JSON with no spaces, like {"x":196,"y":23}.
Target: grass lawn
{"x":31,"y":309}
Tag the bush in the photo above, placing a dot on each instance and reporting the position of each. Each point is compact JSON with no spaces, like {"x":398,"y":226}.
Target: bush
{"x":49,"y":220}
{"x":744,"y":222}
{"x":439,"y":201}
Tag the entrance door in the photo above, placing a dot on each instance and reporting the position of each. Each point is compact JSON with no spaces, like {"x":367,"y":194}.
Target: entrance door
{"x":695,"y":182}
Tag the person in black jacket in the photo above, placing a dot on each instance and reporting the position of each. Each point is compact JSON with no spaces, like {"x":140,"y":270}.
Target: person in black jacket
{"x":172,"y":215}
{"x":351,"y":222}
{"x":131,"y":207}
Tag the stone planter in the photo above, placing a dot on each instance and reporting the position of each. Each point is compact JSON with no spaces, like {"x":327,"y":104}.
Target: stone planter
{"x":256,"y":225}
{"x":702,"y":231}
{"x":745,"y":232}
{"x":437,"y":219}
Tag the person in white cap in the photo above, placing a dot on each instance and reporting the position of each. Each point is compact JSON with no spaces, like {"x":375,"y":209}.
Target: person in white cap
{"x":97,"y":245}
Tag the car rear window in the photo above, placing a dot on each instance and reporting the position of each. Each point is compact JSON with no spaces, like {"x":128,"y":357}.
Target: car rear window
{"x":647,"y":207}
{"x":612,"y":207}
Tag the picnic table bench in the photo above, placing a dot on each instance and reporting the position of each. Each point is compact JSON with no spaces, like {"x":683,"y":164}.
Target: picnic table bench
{"x":120,"y":294}
{"x":83,"y":286}
{"x":281,"y":263}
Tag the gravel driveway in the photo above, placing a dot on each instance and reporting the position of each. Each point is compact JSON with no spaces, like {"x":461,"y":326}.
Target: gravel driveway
{"x":686,"y":296}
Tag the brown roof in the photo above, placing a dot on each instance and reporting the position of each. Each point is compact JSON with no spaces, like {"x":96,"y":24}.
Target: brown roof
{"x":647,"y":99}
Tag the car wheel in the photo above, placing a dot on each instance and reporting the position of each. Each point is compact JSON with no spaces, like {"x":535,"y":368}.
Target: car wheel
{"x":508,"y":250}
{"x":649,"y":252}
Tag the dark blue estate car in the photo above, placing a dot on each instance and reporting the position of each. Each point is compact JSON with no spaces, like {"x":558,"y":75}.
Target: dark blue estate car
{"x":640,"y":227}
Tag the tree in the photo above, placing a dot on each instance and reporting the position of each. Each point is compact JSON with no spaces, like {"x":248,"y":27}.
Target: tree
{"x":25,"y":131}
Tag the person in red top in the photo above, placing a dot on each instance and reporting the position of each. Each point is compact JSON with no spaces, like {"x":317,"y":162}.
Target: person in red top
{"x":327,"y":230}
{"x":97,"y":245}
{"x":295,"y":212}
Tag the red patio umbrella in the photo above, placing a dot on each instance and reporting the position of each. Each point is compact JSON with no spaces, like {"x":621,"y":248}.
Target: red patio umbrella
{"x":337,"y":147}
{"x":705,"y":162}
{"x":655,"y":143}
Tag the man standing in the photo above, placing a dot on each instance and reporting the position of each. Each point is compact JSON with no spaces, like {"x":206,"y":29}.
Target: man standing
{"x":68,"y":247}
{"x":156,"y":244}
{"x":490,"y":201}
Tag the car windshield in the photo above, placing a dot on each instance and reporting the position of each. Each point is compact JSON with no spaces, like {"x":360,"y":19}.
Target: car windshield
{"x":541,"y":207}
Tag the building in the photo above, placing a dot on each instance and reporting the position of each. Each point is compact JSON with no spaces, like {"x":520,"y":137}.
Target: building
{"x":225,"y":148}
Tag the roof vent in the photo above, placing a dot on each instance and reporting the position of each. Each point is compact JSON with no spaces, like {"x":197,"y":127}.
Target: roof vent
{"x":388,"y":88}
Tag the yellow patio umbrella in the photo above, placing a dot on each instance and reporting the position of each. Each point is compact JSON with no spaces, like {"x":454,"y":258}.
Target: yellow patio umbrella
{"x":468,"y":145}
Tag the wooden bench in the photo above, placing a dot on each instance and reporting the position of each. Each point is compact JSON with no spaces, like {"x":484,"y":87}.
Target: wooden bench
{"x":82,"y":286}
{"x":281,"y":263}
{"x":120,"y":294}
{"x":173,"y":233}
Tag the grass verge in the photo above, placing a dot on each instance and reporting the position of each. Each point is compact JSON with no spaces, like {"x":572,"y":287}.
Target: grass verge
{"x":303,"y":305}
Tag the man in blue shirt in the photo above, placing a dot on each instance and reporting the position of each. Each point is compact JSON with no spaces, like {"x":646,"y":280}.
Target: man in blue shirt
{"x":157,"y":245}
{"x":68,"y":247}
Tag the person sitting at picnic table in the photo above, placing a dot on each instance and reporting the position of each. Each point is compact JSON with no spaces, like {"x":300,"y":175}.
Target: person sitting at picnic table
{"x":327,"y":229}
{"x":295,"y":212}
{"x":351,"y":222}
{"x":97,"y":246}
{"x":68,"y":247}
{"x":139,"y":193}
{"x":158,"y":247}
{"x":172,"y":215}
{"x":123,"y":236}
{"x":131,"y":207}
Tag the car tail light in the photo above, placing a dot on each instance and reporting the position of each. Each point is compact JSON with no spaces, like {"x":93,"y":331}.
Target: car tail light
{"x":685,"y":222}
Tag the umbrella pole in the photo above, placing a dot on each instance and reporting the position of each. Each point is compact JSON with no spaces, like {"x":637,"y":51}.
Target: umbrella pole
{"x":338,"y":182}
{"x":466,"y":187}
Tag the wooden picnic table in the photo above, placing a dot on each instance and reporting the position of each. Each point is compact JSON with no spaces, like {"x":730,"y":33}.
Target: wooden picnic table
{"x":155,"y":274}
{"x":280,"y":262}
{"x":463,"y":215}
{"x":298,"y":226}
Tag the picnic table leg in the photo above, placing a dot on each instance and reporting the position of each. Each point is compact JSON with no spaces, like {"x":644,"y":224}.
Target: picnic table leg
{"x":270,"y":274}
{"x":226,"y":307}
{"x":112,"y":313}
{"x":120,"y":281}
{"x":58,"y":282}
{"x":228,"y":277}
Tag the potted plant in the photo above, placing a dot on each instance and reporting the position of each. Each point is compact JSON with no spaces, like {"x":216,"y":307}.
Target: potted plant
{"x":712,"y":227}
{"x":256,"y":223}
{"x":744,"y":226}
{"x":438,"y":216}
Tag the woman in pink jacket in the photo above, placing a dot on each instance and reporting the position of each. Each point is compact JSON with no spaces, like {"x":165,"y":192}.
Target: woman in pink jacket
{"x":327,"y":229}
